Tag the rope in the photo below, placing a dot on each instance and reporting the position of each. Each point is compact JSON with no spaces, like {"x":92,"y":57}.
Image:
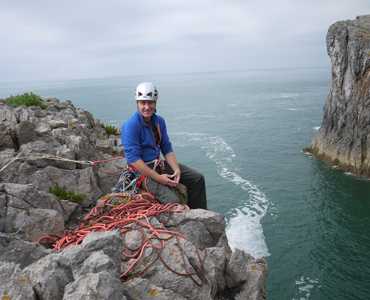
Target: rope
{"x":95,"y":162}
{"x":135,"y":210}
{"x":58,"y":158}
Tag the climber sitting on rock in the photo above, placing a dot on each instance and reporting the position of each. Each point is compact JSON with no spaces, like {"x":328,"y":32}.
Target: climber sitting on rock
{"x":144,"y":137}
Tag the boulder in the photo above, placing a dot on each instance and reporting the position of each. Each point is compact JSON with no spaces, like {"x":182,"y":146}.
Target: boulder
{"x":94,"y":287}
{"x":203,"y":228}
{"x":14,"y":284}
{"x":21,"y":252}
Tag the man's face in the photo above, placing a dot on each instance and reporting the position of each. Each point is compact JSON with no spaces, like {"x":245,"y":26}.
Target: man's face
{"x":146,"y":108}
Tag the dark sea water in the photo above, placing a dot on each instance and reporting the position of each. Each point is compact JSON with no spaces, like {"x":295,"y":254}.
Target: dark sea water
{"x":244,"y":131}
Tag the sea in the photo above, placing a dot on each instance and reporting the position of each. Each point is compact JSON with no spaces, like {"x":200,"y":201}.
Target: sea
{"x":245,"y":131}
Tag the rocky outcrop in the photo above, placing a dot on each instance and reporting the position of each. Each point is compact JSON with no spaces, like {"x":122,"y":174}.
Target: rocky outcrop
{"x":31,"y":138}
{"x":40,"y":148}
{"x":91,"y":270}
{"x":343,"y":139}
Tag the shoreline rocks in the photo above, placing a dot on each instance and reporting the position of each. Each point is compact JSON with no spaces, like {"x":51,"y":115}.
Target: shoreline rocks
{"x":343,"y":139}
{"x":32,"y":138}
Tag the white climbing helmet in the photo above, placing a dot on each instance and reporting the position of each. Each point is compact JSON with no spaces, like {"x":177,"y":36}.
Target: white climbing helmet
{"x":146,"y":91}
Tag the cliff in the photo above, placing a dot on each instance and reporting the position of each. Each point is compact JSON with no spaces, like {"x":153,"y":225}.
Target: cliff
{"x":42,"y":147}
{"x":343,"y":139}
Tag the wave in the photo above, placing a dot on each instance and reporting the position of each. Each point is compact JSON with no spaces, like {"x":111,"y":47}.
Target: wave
{"x":305,"y":285}
{"x":244,"y":229}
{"x":195,"y":116}
{"x":288,"y":95}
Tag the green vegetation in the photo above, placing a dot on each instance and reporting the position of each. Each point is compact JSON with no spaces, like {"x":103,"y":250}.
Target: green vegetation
{"x":111,"y":129}
{"x":27,"y":100}
{"x":63,"y":194}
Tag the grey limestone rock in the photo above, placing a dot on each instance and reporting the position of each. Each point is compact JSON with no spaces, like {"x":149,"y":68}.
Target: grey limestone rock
{"x":109,"y":242}
{"x":48,"y":278}
{"x":6,"y":141}
{"x":95,"y":286}
{"x":236,"y":270}
{"x":98,"y":278}
{"x":139,"y":288}
{"x":164,"y":271}
{"x":22,"y":197}
{"x":33,"y":224}
{"x":203,"y":228}
{"x":14,"y":284}
{"x":18,"y":251}
{"x":98,"y":262}
{"x":344,"y":136}
{"x":253,"y":288}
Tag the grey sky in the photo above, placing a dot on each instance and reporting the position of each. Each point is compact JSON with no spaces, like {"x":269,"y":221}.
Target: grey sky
{"x":90,"y":38}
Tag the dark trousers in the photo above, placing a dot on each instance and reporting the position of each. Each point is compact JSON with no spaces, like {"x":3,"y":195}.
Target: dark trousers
{"x":192,"y":179}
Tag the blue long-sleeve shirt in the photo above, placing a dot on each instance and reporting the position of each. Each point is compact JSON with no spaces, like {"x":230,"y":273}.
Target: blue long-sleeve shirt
{"x":138,"y":139}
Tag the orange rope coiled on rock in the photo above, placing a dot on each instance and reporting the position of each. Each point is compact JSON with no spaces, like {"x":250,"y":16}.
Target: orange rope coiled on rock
{"x":135,"y":210}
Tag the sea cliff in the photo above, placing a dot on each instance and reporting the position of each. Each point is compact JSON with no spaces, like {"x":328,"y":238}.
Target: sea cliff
{"x":343,"y":139}
{"x":40,"y":148}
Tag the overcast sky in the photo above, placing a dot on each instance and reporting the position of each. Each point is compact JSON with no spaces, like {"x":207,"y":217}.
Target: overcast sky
{"x":94,"y":38}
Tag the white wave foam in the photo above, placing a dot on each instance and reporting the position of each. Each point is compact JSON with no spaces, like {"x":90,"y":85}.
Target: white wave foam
{"x":288,"y":95}
{"x":196,"y":116}
{"x":244,"y":229}
{"x":316,"y":128}
{"x":305,"y":285}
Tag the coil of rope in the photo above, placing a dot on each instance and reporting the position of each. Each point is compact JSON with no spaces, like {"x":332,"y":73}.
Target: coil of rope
{"x":135,"y":210}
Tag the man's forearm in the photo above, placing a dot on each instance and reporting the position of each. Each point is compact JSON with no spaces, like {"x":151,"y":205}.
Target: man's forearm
{"x":172,"y":161}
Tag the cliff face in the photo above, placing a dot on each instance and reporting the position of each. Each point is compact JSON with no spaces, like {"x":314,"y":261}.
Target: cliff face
{"x":344,"y":136}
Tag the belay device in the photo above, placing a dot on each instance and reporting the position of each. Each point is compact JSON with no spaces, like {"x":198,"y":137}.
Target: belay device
{"x":127,"y":182}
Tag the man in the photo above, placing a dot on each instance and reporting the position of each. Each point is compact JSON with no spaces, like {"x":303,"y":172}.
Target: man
{"x":144,"y":137}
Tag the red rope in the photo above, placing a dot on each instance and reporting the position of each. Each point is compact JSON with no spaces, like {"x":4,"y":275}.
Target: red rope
{"x":140,"y":211}
{"x":93,"y":163}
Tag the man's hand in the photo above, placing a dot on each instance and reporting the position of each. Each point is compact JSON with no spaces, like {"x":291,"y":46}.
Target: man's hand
{"x":168,"y":180}
{"x":165,"y":179}
{"x":172,"y":161}
{"x":176,"y":175}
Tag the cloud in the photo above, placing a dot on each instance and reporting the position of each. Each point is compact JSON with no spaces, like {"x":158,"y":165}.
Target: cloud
{"x":81,"y":39}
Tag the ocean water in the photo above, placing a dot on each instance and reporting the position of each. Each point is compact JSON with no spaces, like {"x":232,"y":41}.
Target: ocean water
{"x":244,"y":131}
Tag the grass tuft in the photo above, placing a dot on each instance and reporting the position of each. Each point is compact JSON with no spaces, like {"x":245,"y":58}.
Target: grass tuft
{"x":27,"y":100}
{"x":111,"y":129}
{"x":63,"y":194}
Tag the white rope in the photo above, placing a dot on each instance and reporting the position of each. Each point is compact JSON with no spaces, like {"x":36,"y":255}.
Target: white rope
{"x":43,"y":156}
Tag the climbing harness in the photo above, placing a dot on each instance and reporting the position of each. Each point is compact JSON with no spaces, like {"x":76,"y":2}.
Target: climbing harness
{"x":128,"y":182}
{"x":131,"y":179}
{"x":133,"y":214}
